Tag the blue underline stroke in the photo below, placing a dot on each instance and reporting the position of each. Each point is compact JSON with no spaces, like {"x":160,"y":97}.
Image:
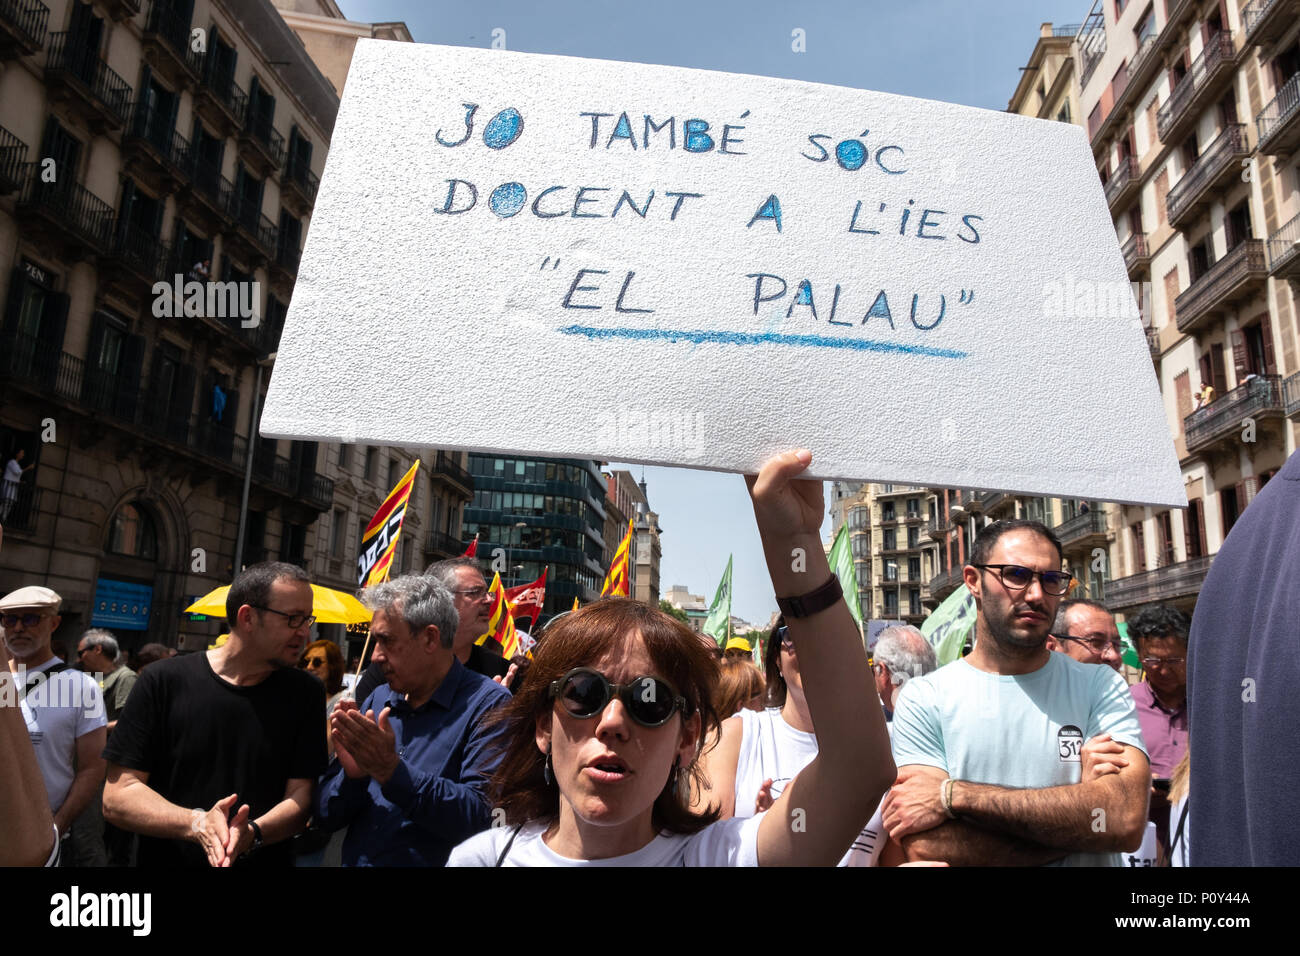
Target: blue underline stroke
{"x":701,"y":336}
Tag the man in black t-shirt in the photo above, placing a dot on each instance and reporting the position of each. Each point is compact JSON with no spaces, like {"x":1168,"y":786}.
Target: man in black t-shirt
{"x":215,"y":754}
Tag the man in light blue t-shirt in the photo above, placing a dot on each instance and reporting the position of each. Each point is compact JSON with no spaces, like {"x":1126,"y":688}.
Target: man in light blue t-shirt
{"x":990,"y":749}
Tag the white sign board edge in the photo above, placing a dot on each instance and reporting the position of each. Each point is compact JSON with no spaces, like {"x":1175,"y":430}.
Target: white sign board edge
{"x":1096,"y":423}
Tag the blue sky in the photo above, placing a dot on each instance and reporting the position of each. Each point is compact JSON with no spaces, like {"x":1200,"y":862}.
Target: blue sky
{"x":958,"y":51}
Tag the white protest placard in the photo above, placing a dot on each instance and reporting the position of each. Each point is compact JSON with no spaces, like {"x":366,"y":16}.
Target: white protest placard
{"x":530,"y":254}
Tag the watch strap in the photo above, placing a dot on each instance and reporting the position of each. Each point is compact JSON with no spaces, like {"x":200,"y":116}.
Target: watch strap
{"x":806,"y":605}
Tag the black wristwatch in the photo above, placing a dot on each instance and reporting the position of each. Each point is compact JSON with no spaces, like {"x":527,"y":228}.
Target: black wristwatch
{"x":806,"y":605}
{"x":257,"y":835}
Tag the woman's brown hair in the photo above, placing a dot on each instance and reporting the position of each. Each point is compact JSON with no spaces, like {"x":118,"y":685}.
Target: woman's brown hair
{"x":740,"y":681}
{"x":580,"y":639}
{"x":772,"y":665}
{"x":333,"y":664}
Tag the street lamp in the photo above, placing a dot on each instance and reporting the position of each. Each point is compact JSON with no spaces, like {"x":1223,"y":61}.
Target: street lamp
{"x":509,"y":567}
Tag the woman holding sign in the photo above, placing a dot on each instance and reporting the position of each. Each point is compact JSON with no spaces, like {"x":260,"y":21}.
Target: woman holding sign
{"x":602,"y":738}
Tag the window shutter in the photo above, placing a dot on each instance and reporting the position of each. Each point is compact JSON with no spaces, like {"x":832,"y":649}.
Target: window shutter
{"x":128,"y":381}
{"x":1250,"y":488}
{"x":1266,"y":334}
{"x":1240,"y":358}
{"x":94,"y":391}
{"x":182,"y":400}
{"x":1216,"y":368}
{"x":49,"y":339}
{"x":1189,"y":537}
{"x":1200,"y":525}
{"x":18,"y":283}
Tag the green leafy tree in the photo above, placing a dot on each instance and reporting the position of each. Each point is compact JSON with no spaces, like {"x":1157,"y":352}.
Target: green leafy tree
{"x":674,"y":612}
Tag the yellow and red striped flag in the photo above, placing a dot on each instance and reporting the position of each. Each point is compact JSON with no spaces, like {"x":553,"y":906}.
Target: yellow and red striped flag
{"x":379,"y":540}
{"x":575,"y":603}
{"x":501,"y":624}
{"x":616,"y":581}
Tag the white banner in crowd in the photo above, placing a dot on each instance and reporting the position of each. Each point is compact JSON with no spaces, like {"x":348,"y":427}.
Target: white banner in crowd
{"x":532,"y":254}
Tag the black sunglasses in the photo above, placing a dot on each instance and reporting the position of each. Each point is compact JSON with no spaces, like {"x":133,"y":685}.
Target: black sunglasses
{"x":585,"y":692}
{"x":29,"y":620}
{"x":1017,"y":578}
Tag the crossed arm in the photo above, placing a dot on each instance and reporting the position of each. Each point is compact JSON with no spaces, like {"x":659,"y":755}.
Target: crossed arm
{"x":1107,"y":811}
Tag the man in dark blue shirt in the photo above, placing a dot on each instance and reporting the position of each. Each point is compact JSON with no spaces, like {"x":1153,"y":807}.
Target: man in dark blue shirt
{"x":1242,"y":672}
{"x":412,"y":762}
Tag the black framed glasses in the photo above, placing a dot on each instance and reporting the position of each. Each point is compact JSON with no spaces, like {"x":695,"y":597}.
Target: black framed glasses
{"x":28,"y":620}
{"x":313,"y":662}
{"x":585,"y":692}
{"x":1018,"y":578}
{"x":294,"y":621}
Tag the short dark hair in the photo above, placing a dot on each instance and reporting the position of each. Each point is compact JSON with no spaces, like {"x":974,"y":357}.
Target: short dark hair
{"x":1159,"y":620}
{"x":442,"y":571}
{"x":772,"y":665}
{"x":991,"y":533}
{"x":1059,"y":626}
{"x":253,"y":585}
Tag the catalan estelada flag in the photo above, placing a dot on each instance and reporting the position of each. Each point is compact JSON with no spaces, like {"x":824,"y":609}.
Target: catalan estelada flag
{"x":616,"y":581}
{"x":379,"y":540}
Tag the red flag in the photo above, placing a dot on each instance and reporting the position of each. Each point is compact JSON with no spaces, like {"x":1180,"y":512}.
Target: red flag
{"x":472,"y":550}
{"x":528,"y":598}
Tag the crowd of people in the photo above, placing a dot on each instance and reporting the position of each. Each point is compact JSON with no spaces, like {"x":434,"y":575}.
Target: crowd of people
{"x":631,"y":740}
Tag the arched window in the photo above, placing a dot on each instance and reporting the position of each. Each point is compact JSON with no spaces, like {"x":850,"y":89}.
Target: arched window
{"x":132,"y":533}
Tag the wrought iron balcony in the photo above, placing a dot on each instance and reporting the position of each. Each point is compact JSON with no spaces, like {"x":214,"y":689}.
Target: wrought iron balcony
{"x":271,"y":470}
{"x":257,"y":230}
{"x":317,"y":491}
{"x":134,"y":257}
{"x":1203,"y":82}
{"x":1082,"y":529}
{"x":945,"y":582}
{"x":1218,"y":166}
{"x":1237,"y":275}
{"x":1291,"y":395}
{"x":166,"y":44}
{"x":1278,"y":123}
{"x":1153,"y":343}
{"x":65,"y":209}
{"x":18,"y":513}
{"x":22,"y":27}
{"x":153,"y":150}
{"x":1123,"y":184}
{"x":990,"y":501}
{"x":438,"y":543}
{"x":261,"y":144}
{"x":1267,"y":20}
{"x":1221,"y":420}
{"x":77,"y":75}
{"x":1137,"y":254}
{"x":286,"y":259}
{"x":13,"y":159}
{"x":1284,"y":251}
{"x":444,"y":466}
{"x":1169,"y":583}
{"x":221,"y":100}
{"x":214,"y":192}
{"x":299,"y":185}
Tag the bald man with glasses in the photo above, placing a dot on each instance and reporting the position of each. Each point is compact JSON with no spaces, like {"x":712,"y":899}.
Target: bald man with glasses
{"x":1086,"y":631}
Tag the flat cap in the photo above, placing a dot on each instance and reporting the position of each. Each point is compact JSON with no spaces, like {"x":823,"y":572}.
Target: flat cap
{"x":32,"y":597}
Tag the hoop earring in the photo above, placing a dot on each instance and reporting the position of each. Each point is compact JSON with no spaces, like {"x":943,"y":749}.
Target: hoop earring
{"x":546,"y":770}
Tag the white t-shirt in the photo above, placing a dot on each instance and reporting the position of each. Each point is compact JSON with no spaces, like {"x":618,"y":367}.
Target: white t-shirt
{"x":731,"y":842}
{"x":1179,"y":854}
{"x":13,"y":475}
{"x":64,"y":707}
{"x":771,"y":748}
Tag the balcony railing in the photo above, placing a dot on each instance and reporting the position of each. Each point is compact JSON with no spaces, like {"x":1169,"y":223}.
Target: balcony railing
{"x":1260,"y":396}
{"x":1066,"y":30}
{"x":259,"y":131}
{"x":69,"y":205}
{"x":1236,"y":274}
{"x":1291,"y":395}
{"x":72,"y":62}
{"x":226,"y":93}
{"x":1123,"y":183}
{"x":149,"y":125}
{"x":1278,"y":123}
{"x":261,"y":230}
{"x":436,"y":542}
{"x":167,"y":24}
{"x":1137,"y":255}
{"x":212,"y":187}
{"x":444,"y":464}
{"x":1163,"y":584}
{"x":1081,"y":527}
{"x":318,"y":491}
{"x":1284,"y":250}
{"x":990,"y":500}
{"x":945,"y":581}
{"x":137,"y":250}
{"x":1266,"y":20}
{"x":22,"y":24}
{"x":13,"y":158}
{"x":1219,"y":164}
{"x":1214,"y":64}
{"x":286,"y":257}
{"x":20,"y":507}
{"x":1153,"y":342}
{"x":299,"y":178}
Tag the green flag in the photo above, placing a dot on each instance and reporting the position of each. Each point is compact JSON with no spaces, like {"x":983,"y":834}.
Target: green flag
{"x":1130,"y":654}
{"x":841,"y":559}
{"x":950,"y":624}
{"x":716,"y":624}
